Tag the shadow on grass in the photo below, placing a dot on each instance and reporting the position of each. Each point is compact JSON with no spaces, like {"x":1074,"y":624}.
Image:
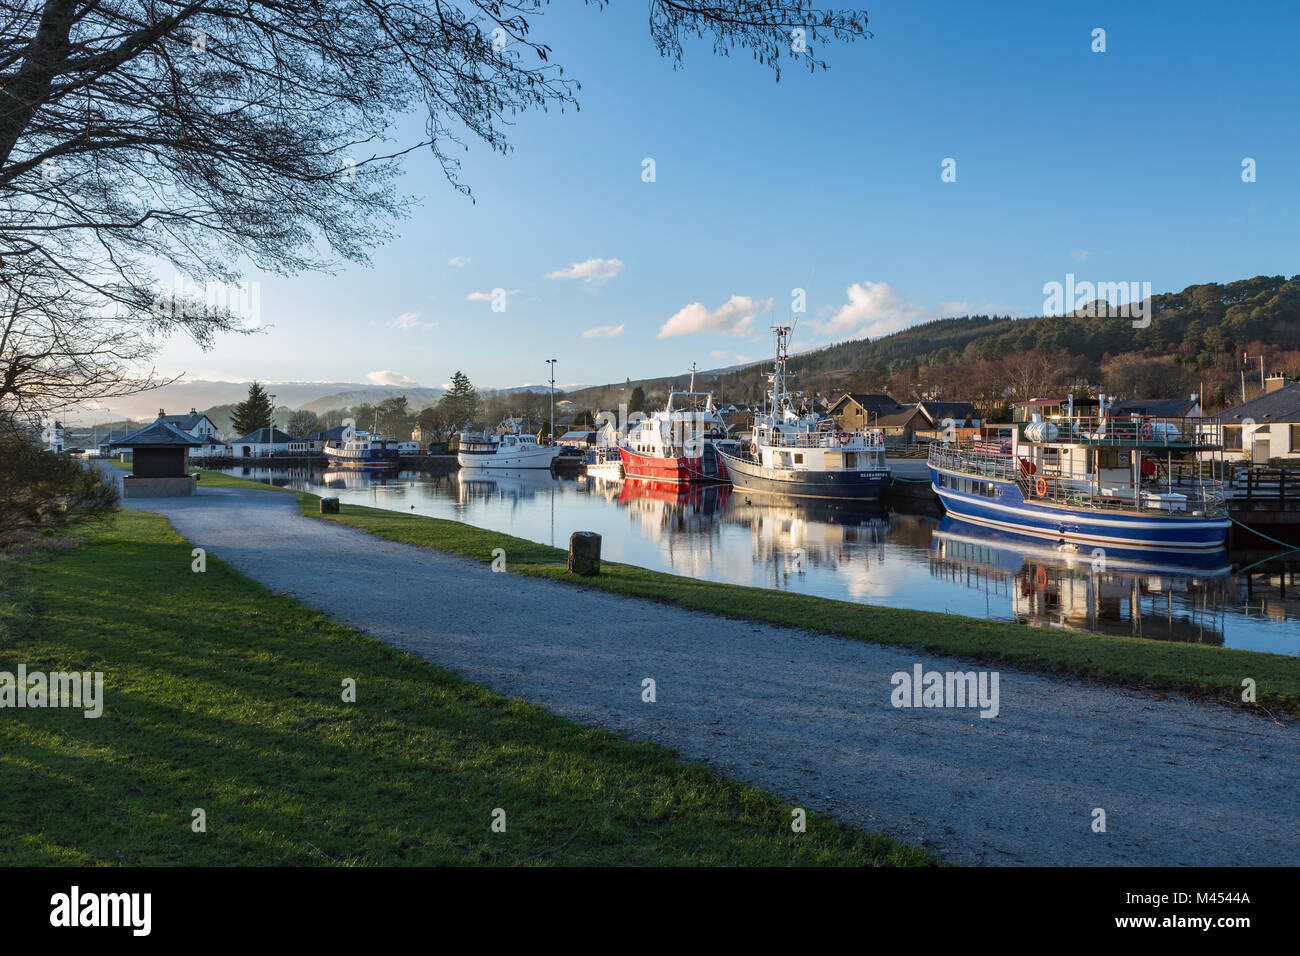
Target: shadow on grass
{"x":223,"y":696}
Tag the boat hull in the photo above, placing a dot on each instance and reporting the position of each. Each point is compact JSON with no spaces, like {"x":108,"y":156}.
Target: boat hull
{"x":370,"y":460}
{"x":1007,"y":510}
{"x":708,"y":467}
{"x":748,"y":474}
{"x":539,"y":457}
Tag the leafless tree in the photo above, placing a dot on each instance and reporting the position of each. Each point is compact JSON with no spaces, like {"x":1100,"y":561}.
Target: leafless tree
{"x":206,"y":136}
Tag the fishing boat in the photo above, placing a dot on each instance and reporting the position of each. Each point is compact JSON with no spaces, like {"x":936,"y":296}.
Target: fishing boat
{"x":506,"y":447}
{"x":363,"y":450}
{"x":677,"y":443}
{"x":805,"y":455}
{"x":1128,"y":482}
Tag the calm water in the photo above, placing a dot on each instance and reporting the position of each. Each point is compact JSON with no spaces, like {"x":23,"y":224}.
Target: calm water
{"x":861,"y":553}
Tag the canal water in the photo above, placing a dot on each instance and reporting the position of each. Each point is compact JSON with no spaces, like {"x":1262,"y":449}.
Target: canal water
{"x":864,"y":553}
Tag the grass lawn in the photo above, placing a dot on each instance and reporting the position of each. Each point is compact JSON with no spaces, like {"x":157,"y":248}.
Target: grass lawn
{"x":223,"y":696}
{"x":1198,"y":669}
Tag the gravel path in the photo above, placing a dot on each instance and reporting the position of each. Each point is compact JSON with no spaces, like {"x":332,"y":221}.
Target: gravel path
{"x":804,"y":715}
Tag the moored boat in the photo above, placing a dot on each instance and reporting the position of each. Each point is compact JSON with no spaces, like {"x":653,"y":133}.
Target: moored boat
{"x":805,"y":455}
{"x":677,"y":444}
{"x":363,"y":450}
{"x":1132,"y":483}
{"x":506,"y":447}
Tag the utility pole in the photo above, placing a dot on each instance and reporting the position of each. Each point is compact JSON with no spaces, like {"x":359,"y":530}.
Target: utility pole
{"x":551,"y":363}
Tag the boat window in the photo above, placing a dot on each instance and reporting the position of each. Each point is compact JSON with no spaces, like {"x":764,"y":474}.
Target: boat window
{"x":798,"y":458}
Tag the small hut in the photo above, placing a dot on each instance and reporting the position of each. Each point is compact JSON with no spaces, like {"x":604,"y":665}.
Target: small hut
{"x":159,"y":453}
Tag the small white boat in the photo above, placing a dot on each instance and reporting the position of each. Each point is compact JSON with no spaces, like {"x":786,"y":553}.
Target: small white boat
{"x":507,"y":447}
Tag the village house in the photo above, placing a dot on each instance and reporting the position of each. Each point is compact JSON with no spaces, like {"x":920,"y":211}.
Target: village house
{"x":265,"y":442}
{"x":197,"y":425}
{"x":330,"y":438}
{"x":1266,"y":427}
{"x":855,"y":411}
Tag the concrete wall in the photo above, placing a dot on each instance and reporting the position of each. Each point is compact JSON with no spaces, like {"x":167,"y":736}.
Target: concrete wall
{"x":133,"y":487}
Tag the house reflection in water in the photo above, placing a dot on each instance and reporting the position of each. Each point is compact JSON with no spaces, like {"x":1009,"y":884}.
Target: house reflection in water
{"x":1158,"y":596}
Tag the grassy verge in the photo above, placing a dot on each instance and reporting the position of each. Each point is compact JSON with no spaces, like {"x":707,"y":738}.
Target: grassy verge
{"x":1191,"y":668}
{"x":224,"y":696}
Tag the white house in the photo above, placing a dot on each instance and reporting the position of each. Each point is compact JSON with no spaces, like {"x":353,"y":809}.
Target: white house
{"x":56,"y":437}
{"x":199,"y":426}
{"x":1266,"y":427}
{"x":265,"y":442}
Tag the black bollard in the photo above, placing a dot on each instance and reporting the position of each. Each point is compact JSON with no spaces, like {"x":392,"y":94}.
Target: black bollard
{"x":584,"y":553}
{"x":329,"y":506}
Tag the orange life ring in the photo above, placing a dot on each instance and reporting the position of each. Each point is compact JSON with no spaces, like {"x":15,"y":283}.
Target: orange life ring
{"x":1040,"y":487}
{"x":1147,"y":430}
{"x":844,"y":438}
{"x":1041,"y":577}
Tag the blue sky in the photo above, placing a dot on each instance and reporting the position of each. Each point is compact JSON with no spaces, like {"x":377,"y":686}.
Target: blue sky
{"x":1115,"y":166}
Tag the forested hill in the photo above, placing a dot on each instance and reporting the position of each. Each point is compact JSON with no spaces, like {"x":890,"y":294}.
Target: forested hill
{"x":1194,"y":342}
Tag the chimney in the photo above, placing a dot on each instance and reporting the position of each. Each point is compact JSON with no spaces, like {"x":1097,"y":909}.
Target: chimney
{"x":1274,"y":382}
{"x":162,"y":412}
{"x":193,"y":412}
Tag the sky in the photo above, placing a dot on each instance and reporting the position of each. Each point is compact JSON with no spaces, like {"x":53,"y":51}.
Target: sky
{"x":1117,"y":166}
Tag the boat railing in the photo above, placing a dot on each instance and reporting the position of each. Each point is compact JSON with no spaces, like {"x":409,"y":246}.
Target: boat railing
{"x":858,"y":441}
{"x":1137,"y":430}
{"x":1203,"y":496}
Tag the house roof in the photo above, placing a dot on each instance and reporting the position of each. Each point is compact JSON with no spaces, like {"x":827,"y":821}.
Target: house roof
{"x":581,"y":433}
{"x":184,"y":422}
{"x":1159,"y":407}
{"x":161,"y":434}
{"x":880,"y":404}
{"x":1282,"y":405}
{"x":958,"y":411}
{"x":264,"y":436}
{"x":899,"y":418}
{"x":330,"y":434}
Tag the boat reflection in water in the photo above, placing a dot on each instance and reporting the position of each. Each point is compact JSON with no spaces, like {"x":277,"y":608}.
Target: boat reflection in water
{"x":1174,"y":597}
{"x":504,"y":484}
{"x":791,"y":535}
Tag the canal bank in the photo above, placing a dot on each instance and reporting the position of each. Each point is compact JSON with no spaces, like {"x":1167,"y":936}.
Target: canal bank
{"x":807,"y":714}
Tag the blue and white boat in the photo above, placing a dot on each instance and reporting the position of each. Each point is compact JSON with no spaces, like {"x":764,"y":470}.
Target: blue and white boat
{"x":1129,"y":483}
{"x":805,"y":455}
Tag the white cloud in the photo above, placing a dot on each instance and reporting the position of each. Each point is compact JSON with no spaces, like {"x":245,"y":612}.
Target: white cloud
{"x":877,"y":308}
{"x":603,"y":332}
{"x":458,"y":261}
{"x":1083,"y":255}
{"x":410,"y":320}
{"x":390,"y":378}
{"x":597,"y":271}
{"x":487,"y":296}
{"x":733,"y":317}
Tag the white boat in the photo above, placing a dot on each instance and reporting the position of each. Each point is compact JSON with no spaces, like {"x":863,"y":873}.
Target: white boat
{"x":507,"y":447}
{"x":805,"y":455}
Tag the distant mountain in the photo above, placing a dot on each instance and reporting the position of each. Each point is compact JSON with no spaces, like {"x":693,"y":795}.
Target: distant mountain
{"x":416,"y":398}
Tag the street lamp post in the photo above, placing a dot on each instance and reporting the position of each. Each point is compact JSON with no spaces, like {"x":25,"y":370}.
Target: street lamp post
{"x":551,"y":363}
{"x":270,"y":437}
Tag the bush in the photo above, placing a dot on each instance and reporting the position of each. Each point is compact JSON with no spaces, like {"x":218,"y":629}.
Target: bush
{"x":41,"y":491}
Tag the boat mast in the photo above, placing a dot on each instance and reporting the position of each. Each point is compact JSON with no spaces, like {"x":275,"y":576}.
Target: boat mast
{"x":778,"y":372}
